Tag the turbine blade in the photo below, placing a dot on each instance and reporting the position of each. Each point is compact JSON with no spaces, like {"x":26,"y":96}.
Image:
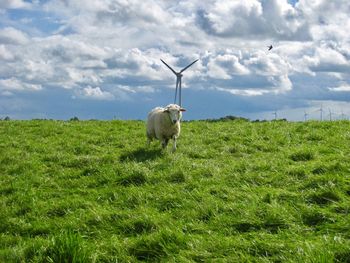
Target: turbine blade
{"x":182,"y":70}
{"x":168,"y":66}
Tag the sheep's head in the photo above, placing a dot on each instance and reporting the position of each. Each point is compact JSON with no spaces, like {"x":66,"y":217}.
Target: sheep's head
{"x":175,"y":112}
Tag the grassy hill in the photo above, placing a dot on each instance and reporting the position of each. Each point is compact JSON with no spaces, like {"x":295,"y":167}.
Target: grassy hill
{"x":235,"y":191}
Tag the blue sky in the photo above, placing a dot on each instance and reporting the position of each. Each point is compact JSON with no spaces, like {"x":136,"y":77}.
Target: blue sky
{"x":100,"y":59}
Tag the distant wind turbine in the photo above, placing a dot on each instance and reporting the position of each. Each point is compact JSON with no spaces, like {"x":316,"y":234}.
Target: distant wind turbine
{"x":305,"y":116}
{"x":275,"y":113}
{"x":178,"y":78}
{"x":343,"y":116}
{"x":330,"y":114}
{"x":321,"y":113}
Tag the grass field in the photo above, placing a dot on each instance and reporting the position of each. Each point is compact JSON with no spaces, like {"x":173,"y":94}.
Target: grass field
{"x":235,"y":191}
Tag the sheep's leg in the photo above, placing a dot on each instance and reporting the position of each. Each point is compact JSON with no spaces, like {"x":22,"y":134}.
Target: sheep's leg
{"x":164,"y":143}
{"x":149,"y":139}
{"x":174,"y":144}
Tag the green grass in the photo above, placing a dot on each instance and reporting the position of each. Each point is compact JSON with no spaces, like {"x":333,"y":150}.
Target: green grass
{"x":234,"y":191}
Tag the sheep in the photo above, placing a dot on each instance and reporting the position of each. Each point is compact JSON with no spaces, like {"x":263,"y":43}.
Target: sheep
{"x":164,"y":124}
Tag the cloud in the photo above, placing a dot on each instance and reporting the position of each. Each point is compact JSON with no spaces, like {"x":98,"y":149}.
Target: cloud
{"x":5,"y":54}
{"x":129,"y":11}
{"x":134,"y":62}
{"x":66,"y":50}
{"x":270,"y":85}
{"x":54,"y":61}
{"x":105,"y":18}
{"x":14,"y":84}
{"x":253,"y":19}
{"x":341,"y":88}
{"x":95,"y":94}
{"x":245,"y":92}
{"x":326,"y":59}
{"x":226,"y":65}
{"x":10,"y":35}
{"x":249,"y":74}
{"x":328,"y":19}
{"x":267,"y":64}
{"x":14,"y":4}
{"x":136,"y":89}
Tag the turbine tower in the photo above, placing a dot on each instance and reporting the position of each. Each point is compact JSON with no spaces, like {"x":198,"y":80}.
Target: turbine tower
{"x":305,"y":116}
{"x":178,"y":78}
{"x":330,"y":114}
{"x":343,"y":116}
{"x":275,"y":113}
{"x":321,"y":113}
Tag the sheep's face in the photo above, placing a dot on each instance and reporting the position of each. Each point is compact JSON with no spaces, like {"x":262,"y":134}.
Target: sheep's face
{"x":175,"y":112}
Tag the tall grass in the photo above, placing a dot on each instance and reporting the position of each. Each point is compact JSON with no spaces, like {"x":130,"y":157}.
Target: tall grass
{"x":234,"y":191}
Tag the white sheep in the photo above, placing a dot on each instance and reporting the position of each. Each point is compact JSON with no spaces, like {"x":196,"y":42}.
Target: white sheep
{"x":164,"y":124}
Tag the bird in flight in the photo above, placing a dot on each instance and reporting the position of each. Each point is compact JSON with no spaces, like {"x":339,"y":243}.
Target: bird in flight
{"x":270,"y":47}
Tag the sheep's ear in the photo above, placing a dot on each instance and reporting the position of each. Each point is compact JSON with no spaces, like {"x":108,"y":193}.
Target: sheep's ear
{"x":182,"y":109}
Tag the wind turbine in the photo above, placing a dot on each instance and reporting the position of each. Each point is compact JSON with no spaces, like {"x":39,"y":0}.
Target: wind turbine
{"x":305,"y":116}
{"x":275,"y":113}
{"x":343,"y":116}
{"x":178,"y":78}
{"x":321,"y":112}
{"x":330,"y":114}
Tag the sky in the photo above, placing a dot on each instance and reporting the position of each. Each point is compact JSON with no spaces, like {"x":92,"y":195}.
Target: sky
{"x":100,"y":59}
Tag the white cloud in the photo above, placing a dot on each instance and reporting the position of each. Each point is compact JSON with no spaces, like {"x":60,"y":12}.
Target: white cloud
{"x":13,"y":84}
{"x":250,"y":74}
{"x":10,"y":35}
{"x":326,"y":59}
{"x":14,"y":4}
{"x":240,"y":13}
{"x":341,"y":88}
{"x":271,"y":85}
{"x":136,"y":89}
{"x":5,"y":54}
{"x":329,"y":19}
{"x":267,"y":64}
{"x":95,"y":94}
{"x":225,"y":66}
{"x":69,"y":49}
{"x":281,"y":84}
{"x":253,"y":19}
{"x":245,"y":92}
